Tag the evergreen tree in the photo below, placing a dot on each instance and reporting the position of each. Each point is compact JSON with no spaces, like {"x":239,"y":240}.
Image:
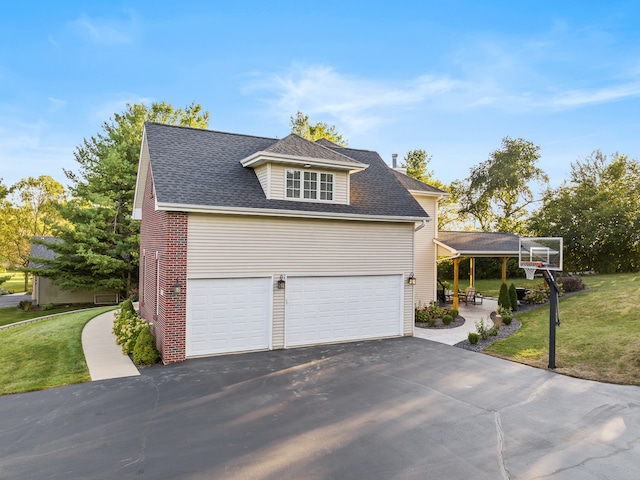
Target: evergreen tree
{"x":99,"y":245}
{"x":513,"y":295}
{"x":504,"y":300}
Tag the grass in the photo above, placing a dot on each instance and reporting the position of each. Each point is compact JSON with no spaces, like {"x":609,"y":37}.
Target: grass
{"x":14,"y":314}
{"x":44,"y":354}
{"x":599,"y":336}
{"x":16,"y":283}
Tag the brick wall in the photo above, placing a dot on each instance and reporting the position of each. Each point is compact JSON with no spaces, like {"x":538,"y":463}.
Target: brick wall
{"x":163,"y":263}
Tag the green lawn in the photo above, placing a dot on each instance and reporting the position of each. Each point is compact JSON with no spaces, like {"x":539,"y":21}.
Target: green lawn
{"x":16,"y":284}
{"x":14,"y":314}
{"x":44,"y":354}
{"x":599,"y":334}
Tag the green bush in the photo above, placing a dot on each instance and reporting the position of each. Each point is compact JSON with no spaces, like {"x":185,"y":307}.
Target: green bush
{"x":504,"y":300}
{"x":539,"y":294}
{"x":126,"y":327}
{"x":25,"y":305}
{"x":421,"y":314}
{"x":483,"y":329}
{"x":127,"y":306}
{"x":145,"y":351}
{"x":513,"y":296}
{"x":473,"y":338}
{"x":47,"y":306}
{"x":571,"y":284}
{"x":447,"y":319}
{"x":453,"y":312}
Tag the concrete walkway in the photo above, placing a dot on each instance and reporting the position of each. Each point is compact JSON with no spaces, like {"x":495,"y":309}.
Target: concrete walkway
{"x":104,"y":357}
{"x":471,"y":314}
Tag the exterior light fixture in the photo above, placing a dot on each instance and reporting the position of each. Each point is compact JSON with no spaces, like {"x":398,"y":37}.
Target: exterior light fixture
{"x":281,"y":283}
{"x":177,"y":287}
{"x":411,"y":280}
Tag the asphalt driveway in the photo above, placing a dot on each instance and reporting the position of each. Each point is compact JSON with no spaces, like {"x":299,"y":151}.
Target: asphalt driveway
{"x":393,"y":409}
{"x":13,"y":299}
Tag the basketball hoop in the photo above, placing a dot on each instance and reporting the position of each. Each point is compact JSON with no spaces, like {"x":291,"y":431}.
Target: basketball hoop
{"x":530,"y":268}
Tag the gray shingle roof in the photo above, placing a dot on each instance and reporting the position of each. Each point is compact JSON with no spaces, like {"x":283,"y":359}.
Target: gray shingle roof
{"x":416,"y":185}
{"x":481,"y":243}
{"x":39,"y":250}
{"x":299,"y":147}
{"x":202,"y":168}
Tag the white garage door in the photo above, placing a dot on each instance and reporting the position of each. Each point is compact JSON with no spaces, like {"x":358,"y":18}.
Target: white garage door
{"x":228,"y":315}
{"x":333,"y":309}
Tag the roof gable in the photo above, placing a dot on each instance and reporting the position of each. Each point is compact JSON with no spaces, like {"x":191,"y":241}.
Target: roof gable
{"x":200,"y":170}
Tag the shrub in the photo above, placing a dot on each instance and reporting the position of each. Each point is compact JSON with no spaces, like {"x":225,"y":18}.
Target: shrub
{"x":126,"y":327}
{"x":473,"y":338}
{"x":537,"y":295}
{"x":25,"y":305}
{"x":434,"y":311}
{"x":453,"y":312}
{"x":127,"y":306}
{"x":571,"y":284}
{"x":504,"y":300}
{"x":47,"y":306}
{"x":447,"y":319}
{"x":513,"y":296}
{"x":421,"y":315}
{"x":483,"y":329}
{"x":145,"y":351}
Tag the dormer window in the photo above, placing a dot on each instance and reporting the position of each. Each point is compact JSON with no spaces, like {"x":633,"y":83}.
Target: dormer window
{"x":309,"y":185}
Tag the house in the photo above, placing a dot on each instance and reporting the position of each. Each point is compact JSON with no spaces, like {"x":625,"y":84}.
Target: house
{"x":45,"y":292}
{"x":251,"y":243}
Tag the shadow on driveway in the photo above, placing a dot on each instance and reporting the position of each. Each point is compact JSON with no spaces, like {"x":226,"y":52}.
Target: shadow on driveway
{"x":403,"y":408}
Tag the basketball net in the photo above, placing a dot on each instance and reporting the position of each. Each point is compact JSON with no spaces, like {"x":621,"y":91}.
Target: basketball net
{"x":530,"y":268}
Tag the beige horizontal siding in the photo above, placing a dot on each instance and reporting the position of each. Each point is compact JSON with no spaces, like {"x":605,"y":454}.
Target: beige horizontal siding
{"x":262,"y":172}
{"x":238,"y":245}
{"x":425,"y":287}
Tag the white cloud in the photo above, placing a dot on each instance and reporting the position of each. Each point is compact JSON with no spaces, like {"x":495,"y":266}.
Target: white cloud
{"x":107,"y":31}
{"x":118,"y":104}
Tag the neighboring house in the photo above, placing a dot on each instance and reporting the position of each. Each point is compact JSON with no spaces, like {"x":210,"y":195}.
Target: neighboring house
{"x":251,"y":243}
{"x":45,"y":292}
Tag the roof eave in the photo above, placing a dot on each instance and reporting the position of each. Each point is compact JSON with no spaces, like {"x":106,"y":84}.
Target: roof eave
{"x":259,"y":158}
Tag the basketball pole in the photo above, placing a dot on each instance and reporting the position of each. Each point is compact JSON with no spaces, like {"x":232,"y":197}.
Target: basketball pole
{"x":554,"y":291}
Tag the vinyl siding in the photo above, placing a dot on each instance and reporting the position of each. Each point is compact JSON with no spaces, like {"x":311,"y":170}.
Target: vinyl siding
{"x":278,"y":176}
{"x":426,"y":272}
{"x":262,"y":172}
{"x":226,"y":246}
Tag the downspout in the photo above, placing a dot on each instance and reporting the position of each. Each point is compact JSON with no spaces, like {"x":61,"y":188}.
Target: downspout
{"x":421,"y":226}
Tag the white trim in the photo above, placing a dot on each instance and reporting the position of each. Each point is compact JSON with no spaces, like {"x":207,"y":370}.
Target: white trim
{"x":422,"y":193}
{"x":272,"y":212}
{"x":259,"y":158}
{"x":319,"y":174}
{"x":268,"y":192}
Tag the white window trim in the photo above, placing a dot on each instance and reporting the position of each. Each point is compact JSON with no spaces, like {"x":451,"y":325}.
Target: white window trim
{"x":318,"y":173}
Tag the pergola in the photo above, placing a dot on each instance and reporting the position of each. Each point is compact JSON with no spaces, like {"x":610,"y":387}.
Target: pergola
{"x":458,"y":245}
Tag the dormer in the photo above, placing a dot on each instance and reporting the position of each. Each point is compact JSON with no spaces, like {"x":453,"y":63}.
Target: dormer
{"x":299,"y":170}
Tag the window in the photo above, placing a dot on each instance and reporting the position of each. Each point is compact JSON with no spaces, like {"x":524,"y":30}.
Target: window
{"x":315,"y":186}
{"x":293,"y":183}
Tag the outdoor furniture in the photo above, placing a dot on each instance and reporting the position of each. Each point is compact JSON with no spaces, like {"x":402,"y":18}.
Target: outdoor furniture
{"x":470,"y":296}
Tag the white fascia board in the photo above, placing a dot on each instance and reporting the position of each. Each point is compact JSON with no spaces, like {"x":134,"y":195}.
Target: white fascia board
{"x":271,"y":212}
{"x":422,"y":193}
{"x":446,"y":247}
{"x":259,"y":158}
{"x":140,"y":181}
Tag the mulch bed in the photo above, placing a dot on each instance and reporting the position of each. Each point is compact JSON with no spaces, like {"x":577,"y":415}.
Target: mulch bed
{"x":459,"y":321}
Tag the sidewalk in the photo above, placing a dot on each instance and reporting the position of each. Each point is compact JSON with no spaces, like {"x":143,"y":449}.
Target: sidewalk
{"x":471,"y":314}
{"x":104,"y":357}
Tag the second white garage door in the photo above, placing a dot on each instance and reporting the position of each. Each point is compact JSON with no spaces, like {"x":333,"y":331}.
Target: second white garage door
{"x":334,"y":309}
{"x":228,"y":315}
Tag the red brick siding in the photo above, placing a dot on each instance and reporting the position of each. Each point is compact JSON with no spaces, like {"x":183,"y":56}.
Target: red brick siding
{"x":163,"y":234}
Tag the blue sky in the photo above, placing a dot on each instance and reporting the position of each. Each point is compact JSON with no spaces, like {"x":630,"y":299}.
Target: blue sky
{"x":451,"y":77}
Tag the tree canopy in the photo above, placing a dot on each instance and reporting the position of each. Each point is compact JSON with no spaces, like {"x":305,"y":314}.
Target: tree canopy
{"x":416,"y":163}
{"x":597,"y":212}
{"x":498,"y":191}
{"x":99,"y":245}
{"x":300,"y":126}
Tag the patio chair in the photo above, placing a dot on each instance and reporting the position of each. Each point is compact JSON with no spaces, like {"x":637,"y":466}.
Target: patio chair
{"x":469,"y":295}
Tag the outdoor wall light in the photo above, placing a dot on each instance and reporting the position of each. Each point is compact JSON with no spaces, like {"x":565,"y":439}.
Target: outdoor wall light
{"x":177,"y":287}
{"x":281,"y":283}
{"x":411,"y":280}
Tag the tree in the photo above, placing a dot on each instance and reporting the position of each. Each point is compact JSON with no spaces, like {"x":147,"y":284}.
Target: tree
{"x":99,"y":245}
{"x":30,"y":212}
{"x":416,"y":163}
{"x":300,"y":126}
{"x":497,"y":192}
{"x":597,"y":213}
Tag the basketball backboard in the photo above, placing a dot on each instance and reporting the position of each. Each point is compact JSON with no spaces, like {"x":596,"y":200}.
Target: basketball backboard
{"x":544,"y":253}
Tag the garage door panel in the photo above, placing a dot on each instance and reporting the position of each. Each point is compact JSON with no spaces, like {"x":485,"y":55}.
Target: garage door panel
{"x":329,"y":309}
{"x":228,"y":315}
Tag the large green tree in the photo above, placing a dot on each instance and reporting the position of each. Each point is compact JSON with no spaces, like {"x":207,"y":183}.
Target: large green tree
{"x":99,"y":245}
{"x":300,"y":126}
{"x":498,"y":191}
{"x":30,"y":211}
{"x":597,"y":212}
{"x":416,"y":163}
